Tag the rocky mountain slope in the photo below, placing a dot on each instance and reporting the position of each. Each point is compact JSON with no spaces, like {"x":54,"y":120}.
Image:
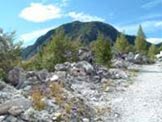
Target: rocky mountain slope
{"x":85,"y":32}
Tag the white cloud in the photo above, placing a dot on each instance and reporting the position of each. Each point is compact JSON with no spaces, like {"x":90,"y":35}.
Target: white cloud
{"x":30,"y":38}
{"x":38,"y":12}
{"x":148,"y":26}
{"x":84,"y":17}
{"x":152,"y":3}
{"x":158,"y":24}
{"x":154,"y":40}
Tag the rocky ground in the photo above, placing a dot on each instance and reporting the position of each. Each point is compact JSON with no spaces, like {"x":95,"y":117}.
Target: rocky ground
{"x":142,"y":100}
{"x":78,"y":92}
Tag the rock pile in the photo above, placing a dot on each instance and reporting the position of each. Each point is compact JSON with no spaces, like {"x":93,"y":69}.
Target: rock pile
{"x":75,"y":92}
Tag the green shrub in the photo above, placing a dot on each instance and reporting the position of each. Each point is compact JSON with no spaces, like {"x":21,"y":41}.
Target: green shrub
{"x":9,"y":53}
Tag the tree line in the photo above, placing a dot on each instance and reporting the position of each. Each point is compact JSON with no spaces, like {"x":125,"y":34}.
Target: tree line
{"x":61,"y":49}
{"x":141,"y":46}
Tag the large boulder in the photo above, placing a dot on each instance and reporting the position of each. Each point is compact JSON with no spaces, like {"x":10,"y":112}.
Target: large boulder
{"x":120,"y":64}
{"x":15,"y":110}
{"x":141,"y":59}
{"x":102,"y":71}
{"x":87,"y":67}
{"x":42,"y":75}
{"x":130,"y":57}
{"x":15,"y":106}
{"x":16,"y":76}
{"x":62,"y":67}
{"x":85,"y":54}
{"x":138,"y":59}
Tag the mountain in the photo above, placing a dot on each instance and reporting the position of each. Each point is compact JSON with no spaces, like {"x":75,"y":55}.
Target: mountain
{"x":85,"y":32}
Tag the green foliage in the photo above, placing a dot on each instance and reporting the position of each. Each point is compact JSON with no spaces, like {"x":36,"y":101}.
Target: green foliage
{"x":59,"y":50}
{"x":9,"y":53}
{"x":122,"y":45}
{"x":102,"y":51}
{"x":140,"y":41}
{"x":152,"y":51}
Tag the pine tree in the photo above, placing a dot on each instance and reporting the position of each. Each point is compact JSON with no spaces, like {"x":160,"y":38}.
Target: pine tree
{"x":58,"y":50}
{"x":102,"y":51}
{"x":140,"y":41}
{"x":152,"y":52}
{"x":122,"y":45}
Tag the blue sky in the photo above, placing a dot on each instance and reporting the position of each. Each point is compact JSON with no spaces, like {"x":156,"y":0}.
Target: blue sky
{"x":32,"y":18}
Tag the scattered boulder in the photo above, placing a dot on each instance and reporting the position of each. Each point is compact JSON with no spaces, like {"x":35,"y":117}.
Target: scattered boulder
{"x":29,"y":115}
{"x":85,"y":54}
{"x":19,"y":103}
{"x":84,"y":88}
{"x":86,"y":66}
{"x":130,"y":57}
{"x":62,"y":67}
{"x":2,"y":85}
{"x":54,"y":78}
{"x":102,"y":71}
{"x":138,"y":59}
{"x":120,"y":64}
{"x":42,"y":75}
{"x":16,"y":76}
{"x":11,"y":118}
{"x":15,"y":110}
{"x":117,"y":74}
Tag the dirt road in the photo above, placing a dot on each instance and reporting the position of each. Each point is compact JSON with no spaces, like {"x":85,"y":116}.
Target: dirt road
{"x":142,"y":102}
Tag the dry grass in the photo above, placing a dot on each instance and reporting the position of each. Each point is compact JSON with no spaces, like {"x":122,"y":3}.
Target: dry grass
{"x":37,"y":99}
{"x":57,"y":92}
